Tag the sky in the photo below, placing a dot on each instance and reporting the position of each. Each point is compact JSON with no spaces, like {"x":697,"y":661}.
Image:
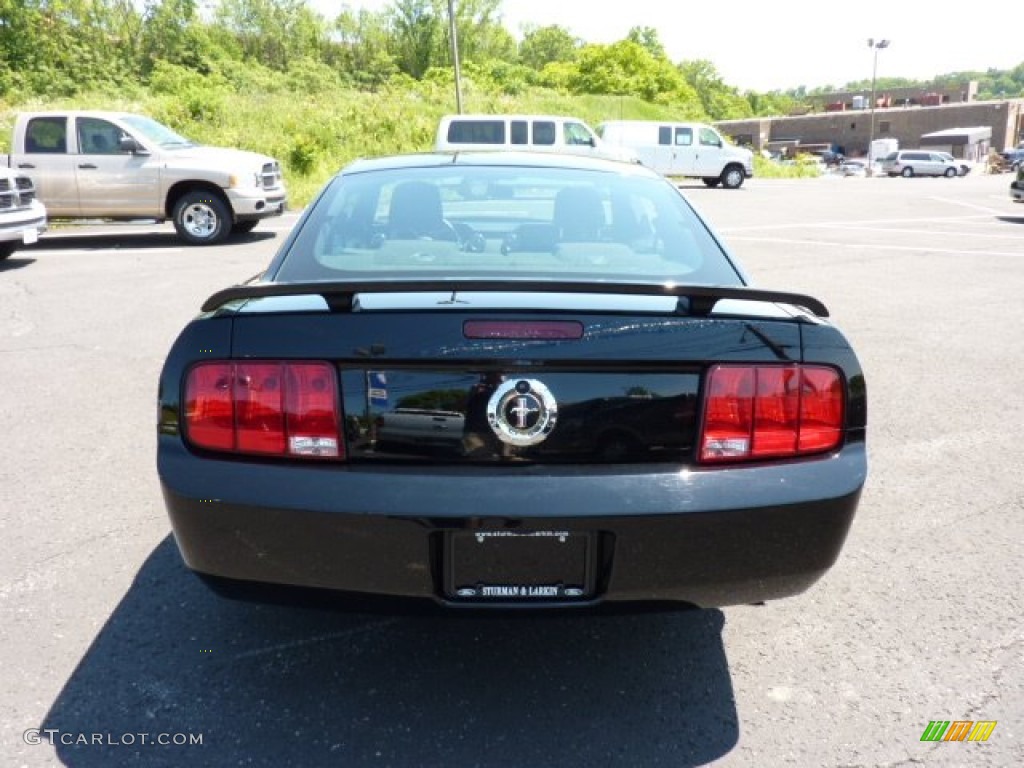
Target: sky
{"x":783,"y":45}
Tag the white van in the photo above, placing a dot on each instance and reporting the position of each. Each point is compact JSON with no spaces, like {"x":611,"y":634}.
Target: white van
{"x":534,"y":133}
{"x":682,"y":149}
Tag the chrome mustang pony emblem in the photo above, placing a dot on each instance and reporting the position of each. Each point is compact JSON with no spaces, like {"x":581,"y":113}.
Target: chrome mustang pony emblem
{"x":522,"y":412}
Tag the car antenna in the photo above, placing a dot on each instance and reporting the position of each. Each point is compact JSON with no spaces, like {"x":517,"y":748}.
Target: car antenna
{"x":453,"y":299}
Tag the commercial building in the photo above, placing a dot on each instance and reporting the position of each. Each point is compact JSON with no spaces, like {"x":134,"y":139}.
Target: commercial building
{"x":947,"y":118}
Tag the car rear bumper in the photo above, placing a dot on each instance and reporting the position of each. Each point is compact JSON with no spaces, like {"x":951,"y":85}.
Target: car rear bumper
{"x":706,"y":538}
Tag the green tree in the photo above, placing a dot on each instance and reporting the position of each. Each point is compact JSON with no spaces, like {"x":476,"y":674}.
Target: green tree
{"x":481,"y":35}
{"x":719,"y":101}
{"x":627,"y":68}
{"x":416,"y":35}
{"x":647,"y":37}
{"x":274,"y":32}
{"x":543,"y":45}
{"x":172,"y":32}
{"x":773,"y":103}
{"x":360,"y":49}
{"x":60,"y":47}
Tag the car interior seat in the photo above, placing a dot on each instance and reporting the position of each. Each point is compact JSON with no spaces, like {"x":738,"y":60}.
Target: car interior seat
{"x":579,"y":214}
{"x":416,"y":213}
{"x":99,"y":144}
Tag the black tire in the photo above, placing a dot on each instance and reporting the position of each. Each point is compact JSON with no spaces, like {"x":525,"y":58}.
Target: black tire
{"x":6,"y":249}
{"x":732,"y":177}
{"x":907,"y":172}
{"x":950,"y":173}
{"x":202,"y":218}
{"x":711,"y":181}
{"x":244,"y":227}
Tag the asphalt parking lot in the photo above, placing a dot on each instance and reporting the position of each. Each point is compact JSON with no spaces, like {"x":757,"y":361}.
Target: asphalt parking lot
{"x":109,"y":646}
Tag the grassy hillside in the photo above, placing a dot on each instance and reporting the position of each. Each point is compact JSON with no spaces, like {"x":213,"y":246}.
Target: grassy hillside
{"x":315,"y":130}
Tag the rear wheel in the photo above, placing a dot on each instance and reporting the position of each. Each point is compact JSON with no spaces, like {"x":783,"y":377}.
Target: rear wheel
{"x":907,"y":172}
{"x":6,"y":249}
{"x":950,"y":173}
{"x":202,"y":218}
{"x":732,"y":177}
{"x":711,"y":181}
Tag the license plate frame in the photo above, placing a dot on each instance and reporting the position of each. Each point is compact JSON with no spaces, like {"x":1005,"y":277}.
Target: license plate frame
{"x":532,"y":566}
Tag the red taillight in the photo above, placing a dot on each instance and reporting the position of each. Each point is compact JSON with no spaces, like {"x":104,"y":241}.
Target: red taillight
{"x":312,"y":411}
{"x":770,"y":411}
{"x":209,"y":410}
{"x":270,"y":408}
{"x":821,"y":410}
{"x":259,"y":411}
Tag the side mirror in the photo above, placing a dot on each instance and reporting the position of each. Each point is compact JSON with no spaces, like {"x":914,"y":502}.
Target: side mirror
{"x":128,"y":144}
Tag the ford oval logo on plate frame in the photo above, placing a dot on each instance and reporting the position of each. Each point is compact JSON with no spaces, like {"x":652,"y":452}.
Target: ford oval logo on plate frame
{"x":522,"y":412}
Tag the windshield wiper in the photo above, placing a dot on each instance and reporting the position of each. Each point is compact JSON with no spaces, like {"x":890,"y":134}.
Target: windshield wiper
{"x":696,"y":300}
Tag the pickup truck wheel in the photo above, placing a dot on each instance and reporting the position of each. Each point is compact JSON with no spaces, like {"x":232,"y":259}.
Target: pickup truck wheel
{"x":6,"y":249}
{"x":244,"y":227}
{"x":732,"y":177}
{"x":202,"y":218}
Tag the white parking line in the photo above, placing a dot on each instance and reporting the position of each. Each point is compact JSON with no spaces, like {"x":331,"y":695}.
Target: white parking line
{"x":847,"y":222}
{"x":929,"y":232}
{"x":962,"y":204}
{"x":880,"y":247}
{"x":94,"y":251}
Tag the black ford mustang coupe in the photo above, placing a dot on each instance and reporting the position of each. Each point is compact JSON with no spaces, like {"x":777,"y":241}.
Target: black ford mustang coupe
{"x":503,"y":380}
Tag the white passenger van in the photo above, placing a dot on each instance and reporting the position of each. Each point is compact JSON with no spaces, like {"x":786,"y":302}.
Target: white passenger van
{"x":534,"y":133}
{"x":682,"y":149}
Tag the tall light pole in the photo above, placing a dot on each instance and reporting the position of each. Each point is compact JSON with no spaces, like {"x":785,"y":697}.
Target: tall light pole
{"x":876,"y":45}
{"x":455,"y":55}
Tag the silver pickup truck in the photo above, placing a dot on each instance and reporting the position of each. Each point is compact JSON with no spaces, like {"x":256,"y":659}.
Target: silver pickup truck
{"x":122,"y":166}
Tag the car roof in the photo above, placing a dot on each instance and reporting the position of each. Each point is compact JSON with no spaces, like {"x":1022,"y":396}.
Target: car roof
{"x":497,"y":159}
{"x":511,"y":116}
{"x":100,"y":113}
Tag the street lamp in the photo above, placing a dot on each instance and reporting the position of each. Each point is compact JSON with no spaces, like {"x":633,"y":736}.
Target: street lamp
{"x":876,"y":45}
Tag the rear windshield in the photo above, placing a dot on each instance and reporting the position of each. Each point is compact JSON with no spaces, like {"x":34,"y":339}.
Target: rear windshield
{"x":494,"y":222}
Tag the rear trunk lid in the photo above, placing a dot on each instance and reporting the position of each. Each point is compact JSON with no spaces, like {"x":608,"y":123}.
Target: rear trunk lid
{"x":453,"y":384}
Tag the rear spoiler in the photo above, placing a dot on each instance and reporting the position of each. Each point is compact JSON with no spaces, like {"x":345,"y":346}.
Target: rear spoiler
{"x":696,"y":300}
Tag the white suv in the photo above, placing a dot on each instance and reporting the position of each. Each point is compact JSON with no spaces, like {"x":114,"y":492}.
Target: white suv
{"x":919,"y":162}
